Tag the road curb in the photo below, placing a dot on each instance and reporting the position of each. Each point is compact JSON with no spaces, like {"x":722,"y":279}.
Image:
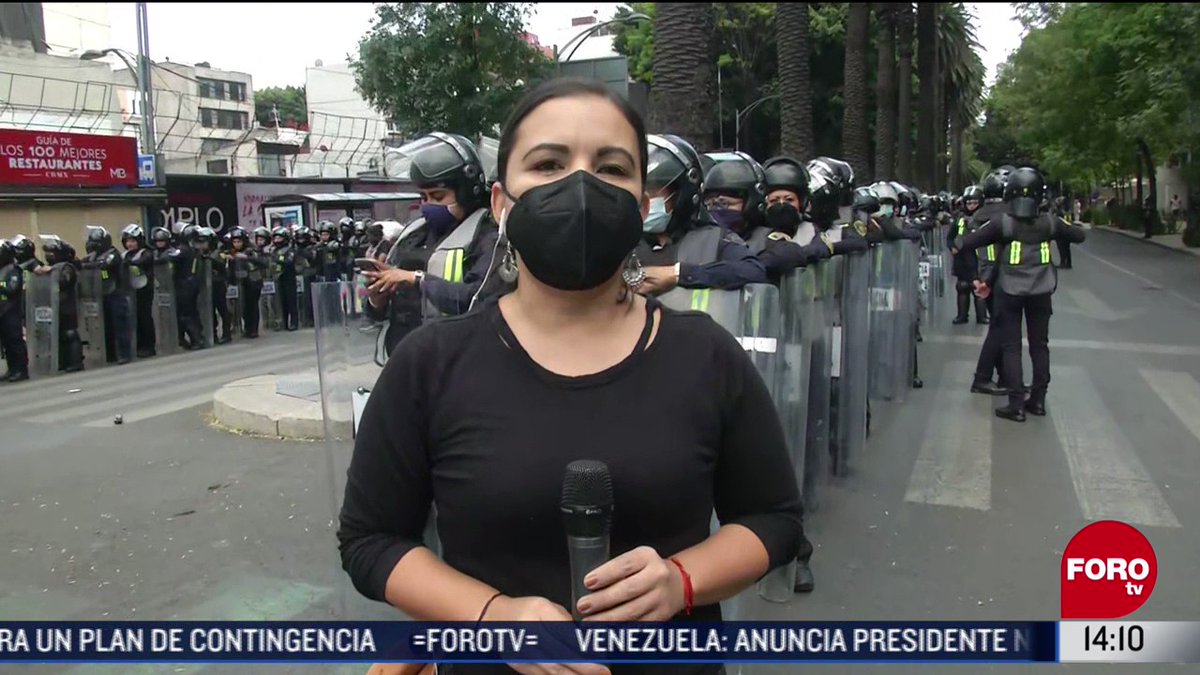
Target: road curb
{"x":252,"y":405}
{"x":1194,"y":252}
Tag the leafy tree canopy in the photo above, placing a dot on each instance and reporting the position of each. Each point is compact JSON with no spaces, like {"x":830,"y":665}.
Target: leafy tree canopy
{"x":1083,"y":89}
{"x":290,"y":102}
{"x":457,"y":67}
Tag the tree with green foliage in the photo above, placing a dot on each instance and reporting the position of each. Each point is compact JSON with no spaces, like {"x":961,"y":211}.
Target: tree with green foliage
{"x":289,"y":102}
{"x":1104,"y":88}
{"x":457,"y":67}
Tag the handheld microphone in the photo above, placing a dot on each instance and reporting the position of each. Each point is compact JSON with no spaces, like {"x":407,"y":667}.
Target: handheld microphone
{"x":587,"y":506}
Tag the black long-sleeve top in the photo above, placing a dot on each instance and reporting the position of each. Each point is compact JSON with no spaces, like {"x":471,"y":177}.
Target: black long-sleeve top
{"x":781,"y":255}
{"x":463,"y":417}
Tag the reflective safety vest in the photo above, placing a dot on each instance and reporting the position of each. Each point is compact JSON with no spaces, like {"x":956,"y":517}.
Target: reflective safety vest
{"x":1014,"y":253}
{"x":448,"y":259}
{"x":989,"y":253}
{"x":699,"y":246}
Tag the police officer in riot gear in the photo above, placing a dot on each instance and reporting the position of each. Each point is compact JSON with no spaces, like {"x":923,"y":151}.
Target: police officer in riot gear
{"x":12,"y":319}
{"x":139,"y":270}
{"x":25,"y":253}
{"x":738,"y":192}
{"x":1062,"y":210}
{"x":329,"y":252}
{"x":283,"y":260}
{"x":683,"y":245}
{"x":262,"y":239}
{"x":306,"y":270}
{"x":249,"y":267}
{"x":104,"y":257}
{"x":206,"y":249}
{"x":60,"y":256}
{"x":440,"y":262}
{"x":966,"y":264}
{"x":787,"y":200}
{"x":990,"y":354}
{"x":183,"y":265}
{"x":831,"y":190}
{"x":1026,"y":281}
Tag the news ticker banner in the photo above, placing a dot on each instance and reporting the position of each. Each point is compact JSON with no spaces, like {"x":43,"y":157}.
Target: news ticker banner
{"x":564,"y":642}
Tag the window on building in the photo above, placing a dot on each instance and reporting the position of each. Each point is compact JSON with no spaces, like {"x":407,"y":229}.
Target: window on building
{"x":218,"y":166}
{"x":237,"y":91}
{"x":272,"y":165}
{"x":224,"y":119}
{"x":222,"y":89}
{"x":205,"y":88}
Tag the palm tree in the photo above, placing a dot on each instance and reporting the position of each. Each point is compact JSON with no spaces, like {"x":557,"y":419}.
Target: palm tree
{"x":885,"y":92}
{"x":962,"y":77}
{"x":904,"y":80}
{"x":681,"y":94}
{"x":855,"y":144}
{"x":927,"y":98}
{"x":795,"y":83}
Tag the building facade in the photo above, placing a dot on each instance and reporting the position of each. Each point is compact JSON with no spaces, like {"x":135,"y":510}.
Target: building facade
{"x":346,"y":134}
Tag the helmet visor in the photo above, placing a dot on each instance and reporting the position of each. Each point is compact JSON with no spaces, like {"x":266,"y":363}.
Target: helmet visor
{"x":663,"y":169}
{"x":400,"y":161}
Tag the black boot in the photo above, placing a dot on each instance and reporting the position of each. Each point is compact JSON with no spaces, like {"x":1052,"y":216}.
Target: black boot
{"x":19,"y":376}
{"x":981,"y":311}
{"x":1036,"y":405}
{"x":804,"y":578}
{"x":987,"y":387}
{"x":1013,"y":411}
{"x":964,"y":304}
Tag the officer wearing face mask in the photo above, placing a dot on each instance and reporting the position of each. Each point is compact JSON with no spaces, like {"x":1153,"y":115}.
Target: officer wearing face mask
{"x":787,"y":200}
{"x":1026,"y":282}
{"x":735,"y":193}
{"x":966,"y":264}
{"x":139,"y":267}
{"x":104,"y":257}
{"x":12,"y":321}
{"x":60,"y":256}
{"x":440,"y":262}
{"x":892,"y":223}
{"x":683,"y":246}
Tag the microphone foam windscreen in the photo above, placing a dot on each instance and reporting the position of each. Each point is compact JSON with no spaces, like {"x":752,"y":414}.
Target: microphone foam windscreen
{"x":587,"y":483}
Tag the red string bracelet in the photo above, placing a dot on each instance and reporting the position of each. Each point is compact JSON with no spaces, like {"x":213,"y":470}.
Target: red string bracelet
{"x":688,"y":592}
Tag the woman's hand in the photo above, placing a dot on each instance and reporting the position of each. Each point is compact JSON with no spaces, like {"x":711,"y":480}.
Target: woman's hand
{"x":637,"y":586}
{"x":658,"y":280}
{"x":509,"y":609}
{"x":384,"y":282}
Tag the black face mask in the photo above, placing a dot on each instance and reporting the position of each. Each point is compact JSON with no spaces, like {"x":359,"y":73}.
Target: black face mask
{"x":784,"y":218}
{"x":573,"y":234}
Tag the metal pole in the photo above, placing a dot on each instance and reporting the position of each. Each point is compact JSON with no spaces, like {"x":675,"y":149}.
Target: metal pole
{"x":146,"y":90}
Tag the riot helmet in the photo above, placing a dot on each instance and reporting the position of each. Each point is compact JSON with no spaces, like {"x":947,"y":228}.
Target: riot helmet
{"x":889,"y":199}
{"x":447,"y":161}
{"x":972,"y":198}
{"x":281,"y":236}
{"x":344,"y":229}
{"x":741,"y":178}
{"x":8,"y":252}
{"x":262,"y":236}
{"x":205,"y":239}
{"x":827,"y":191}
{"x":866,"y":200}
{"x":160,"y":235}
{"x":674,"y":181}
{"x":360,"y":229}
{"x":98,"y":239}
{"x":136,"y":233}
{"x":839,"y":173}
{"x":1024,"y":192}
{"x":326,"y":227}
{"x":787,"y":194}
{"x":23,"y":248}
{"x":303,"y":236}
{"x":56,"y":250}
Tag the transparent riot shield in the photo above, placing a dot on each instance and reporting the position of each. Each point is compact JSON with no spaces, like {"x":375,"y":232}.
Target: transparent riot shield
{"x":41,"y":322}
{"x":884,"y":304}
{"x":851,"y":432}
{"x":800,"y":313}
{"x":166,"y":319}
{"x":204,"y":300}
{"x":348,"y":365}
{"x":129,"y":297}
{"x":905,"y":316}
{"x":832,"y":278}
{"x":820,"y":333}
{"x":270,"y":310}
{"x":91,"y":319}
{"x":233,"y":303}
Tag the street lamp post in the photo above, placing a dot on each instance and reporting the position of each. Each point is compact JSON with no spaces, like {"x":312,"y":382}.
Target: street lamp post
{"x":737,"y":120}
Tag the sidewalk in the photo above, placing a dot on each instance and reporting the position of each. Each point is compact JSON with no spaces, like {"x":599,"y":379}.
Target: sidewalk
{"x":289,"y":405}
{"x":1173,"y":242}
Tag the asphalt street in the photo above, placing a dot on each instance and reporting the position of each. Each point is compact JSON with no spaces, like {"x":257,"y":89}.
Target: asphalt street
{"x":949,"y":514}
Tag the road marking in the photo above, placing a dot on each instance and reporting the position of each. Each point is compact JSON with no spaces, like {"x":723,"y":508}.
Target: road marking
{"x":1061,"y":343}
{"x":954,"y":465}
{"x":1180,"y":392}
{"x":1110,"y":481}
{"x":1090,"y":305}
{"x":1141,"y":278}
{"x":143,"y":414}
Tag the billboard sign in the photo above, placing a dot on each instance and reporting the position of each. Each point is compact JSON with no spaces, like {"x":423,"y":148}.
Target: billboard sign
{"x":52,"y":158}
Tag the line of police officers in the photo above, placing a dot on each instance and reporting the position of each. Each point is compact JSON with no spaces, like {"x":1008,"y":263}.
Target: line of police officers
{"x":237,"y":268}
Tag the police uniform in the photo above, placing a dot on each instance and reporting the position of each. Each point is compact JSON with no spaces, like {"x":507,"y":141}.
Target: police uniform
{"x":1027,"y":280}
{"x":965,"y":268}
{"x":990,"y":354}
{"x":140,"y":264}
{"x":117,"y":345}
{"x":12,"y":320}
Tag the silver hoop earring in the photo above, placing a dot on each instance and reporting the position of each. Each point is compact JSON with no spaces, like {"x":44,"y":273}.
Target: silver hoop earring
{"x":633,"y":274}
{"x":508,"y":265}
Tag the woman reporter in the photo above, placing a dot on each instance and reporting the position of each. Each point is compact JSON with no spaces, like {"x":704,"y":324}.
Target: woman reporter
{"x":481,"y":414}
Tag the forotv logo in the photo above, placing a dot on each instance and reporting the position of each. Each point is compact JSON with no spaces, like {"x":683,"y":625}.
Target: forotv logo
{"x":1108,"y":571}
